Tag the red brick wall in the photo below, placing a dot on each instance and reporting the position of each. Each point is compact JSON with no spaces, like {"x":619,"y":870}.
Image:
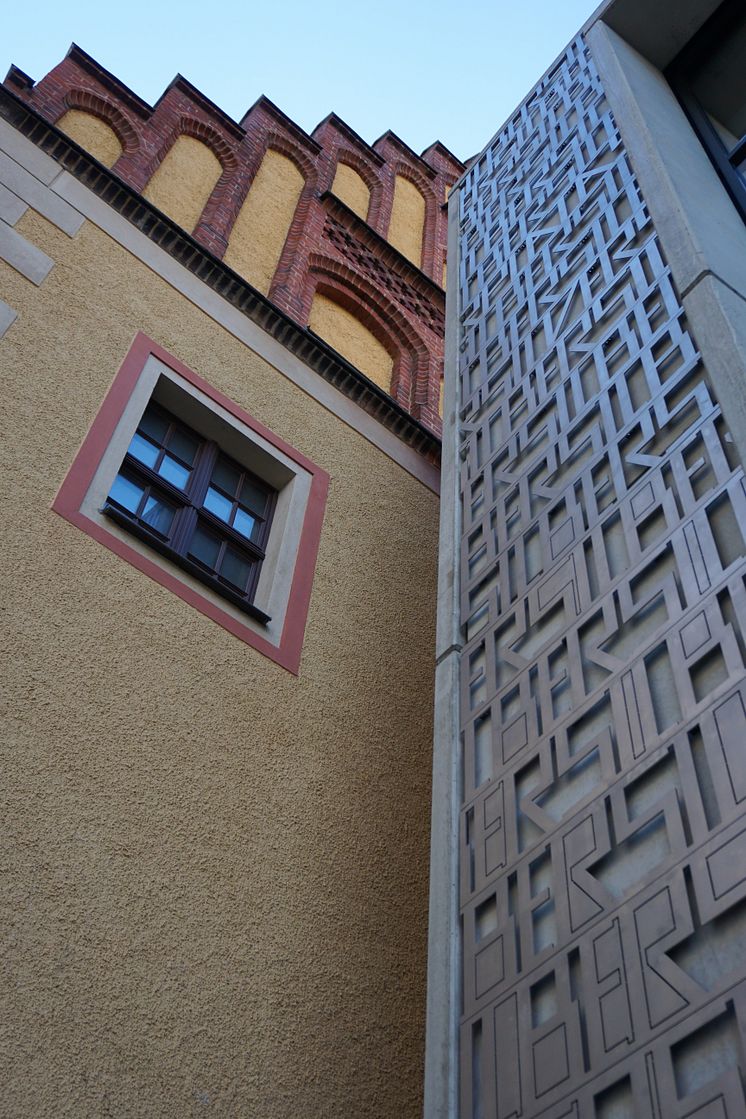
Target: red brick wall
{"x":328,"y":247}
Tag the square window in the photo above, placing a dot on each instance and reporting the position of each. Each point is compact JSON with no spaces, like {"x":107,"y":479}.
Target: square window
{"x":178,"y":492}
{"x":182,"y":483}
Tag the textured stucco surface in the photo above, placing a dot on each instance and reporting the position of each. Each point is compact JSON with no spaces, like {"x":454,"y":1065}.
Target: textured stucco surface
{"x":352,"y":189}
{"x":262,"y":225}
{"x":93,"y":134}
{"x":351,"y":338}
{"x":407,"y":220}
{"x":216,"y":872}
{"x":184,"y":181}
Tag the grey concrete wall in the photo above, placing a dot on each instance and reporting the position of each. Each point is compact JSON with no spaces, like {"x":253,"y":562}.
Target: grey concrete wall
{"x":603,"y":679}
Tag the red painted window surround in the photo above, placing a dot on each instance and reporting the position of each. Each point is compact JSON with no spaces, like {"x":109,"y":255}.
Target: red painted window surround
{"x":77,"y":482}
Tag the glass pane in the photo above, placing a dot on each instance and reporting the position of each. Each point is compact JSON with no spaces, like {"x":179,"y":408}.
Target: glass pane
{"x":158,"y":514}
{"x":244,"y":523}
{"x":205,"y":547}
{"x":235,"y":569}
{"x":126,"y":493}
{"x":217,"y":504}
{"x":253,"y":496}
{"x":143,"y":450}
{"x":719,"y":82}
{"x":174,"y":472}
{"x":226,"y":476}
{"x":153,"y":425}
{"x":184,"y":446}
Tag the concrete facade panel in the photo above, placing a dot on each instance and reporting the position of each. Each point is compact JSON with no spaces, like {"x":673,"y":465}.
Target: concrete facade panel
{"x":603,"y":608}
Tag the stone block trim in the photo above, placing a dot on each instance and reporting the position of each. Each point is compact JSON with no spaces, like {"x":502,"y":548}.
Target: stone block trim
{"x":19,"y":190}
{"x":148,"y":132}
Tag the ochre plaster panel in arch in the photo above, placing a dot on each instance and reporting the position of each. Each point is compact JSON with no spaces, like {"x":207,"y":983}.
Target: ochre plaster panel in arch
{"x":199,"y":845}
{"x":93,"y":134}
{"x":352,"y":189}
{"x":184,"y":181}
{"x":407,"y":220}
{"x":352,"y":339}
{"x":259,"y":233}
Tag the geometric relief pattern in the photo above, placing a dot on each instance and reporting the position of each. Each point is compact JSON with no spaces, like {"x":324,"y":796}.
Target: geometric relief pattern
{"x":603,"y":689}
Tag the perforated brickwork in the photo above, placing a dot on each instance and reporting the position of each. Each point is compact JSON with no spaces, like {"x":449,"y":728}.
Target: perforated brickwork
{"x":370,"y":265}
{"x":603,"y":843}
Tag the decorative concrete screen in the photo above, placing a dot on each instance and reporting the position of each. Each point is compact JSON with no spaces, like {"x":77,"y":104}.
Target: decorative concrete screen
{"x":603,"y":837}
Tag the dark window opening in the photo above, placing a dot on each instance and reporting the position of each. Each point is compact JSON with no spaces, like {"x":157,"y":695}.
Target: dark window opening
{"x":178,"y":492}
{"x":709,"y":78}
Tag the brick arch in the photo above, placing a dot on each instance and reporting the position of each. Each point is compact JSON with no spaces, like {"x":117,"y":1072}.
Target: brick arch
{"x":198,"y":130}
{"x":210,"y":137}
{"x":415,"y":176}
{"x":412,"y":360}
{"x":85,"y":101}
{"x":285,"y":289}
{"x":281,"y":143}
{"x":209,"y":229}
{"x":369,"y":176}
{"x":425,"y":187}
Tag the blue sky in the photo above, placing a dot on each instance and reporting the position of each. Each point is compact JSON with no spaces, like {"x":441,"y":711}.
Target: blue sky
{"x":427,"y":70}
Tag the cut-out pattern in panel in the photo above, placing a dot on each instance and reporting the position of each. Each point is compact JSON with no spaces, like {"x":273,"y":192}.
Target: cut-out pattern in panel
{"x":603,"y":690}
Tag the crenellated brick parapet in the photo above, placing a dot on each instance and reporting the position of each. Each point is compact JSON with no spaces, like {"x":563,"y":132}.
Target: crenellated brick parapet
{"x":327,"y":248}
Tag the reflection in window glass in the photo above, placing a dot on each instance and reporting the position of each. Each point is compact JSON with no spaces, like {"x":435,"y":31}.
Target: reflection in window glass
{"x":126,"y":493}
{"x":184,"y":446}
{"x":235,"y":569}
{"x":154,"y":425}
{"x":174,"y":472}
{"x":217,"y":504}
{"x":252,"y":496}
{"x":158,"y":514}
{"x":205,"y":547}
{"x":143,"y":450}
{"x":225,"y":476}
{"x":244,"y":523}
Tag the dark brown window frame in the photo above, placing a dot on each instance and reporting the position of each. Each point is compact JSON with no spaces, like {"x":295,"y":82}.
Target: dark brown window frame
{"x":678,"y":75}
{"x":191,"y":512}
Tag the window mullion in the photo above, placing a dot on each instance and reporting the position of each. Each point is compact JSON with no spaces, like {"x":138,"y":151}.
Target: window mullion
{"x":203,"y":469}
{"x":185,"y":526}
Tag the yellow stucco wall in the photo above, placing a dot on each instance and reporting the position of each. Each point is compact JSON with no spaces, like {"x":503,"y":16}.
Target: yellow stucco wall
{"x":258,"y":235}
{"x":352,"y":189}
{"x":407,"y":220}
{"x":93,"y":134}
{"x":184,"y":181}
{"x":352,"y":339}
{"x":215,"y":872}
